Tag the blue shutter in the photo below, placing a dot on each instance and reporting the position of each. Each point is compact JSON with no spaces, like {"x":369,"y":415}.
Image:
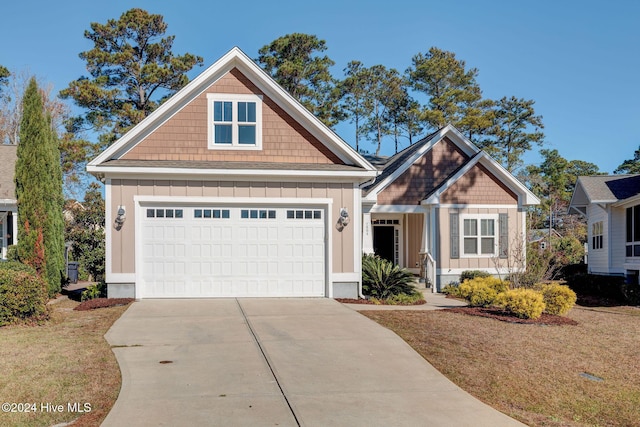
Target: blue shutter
{"x":503,"y":237}
{"x":454,"y":226}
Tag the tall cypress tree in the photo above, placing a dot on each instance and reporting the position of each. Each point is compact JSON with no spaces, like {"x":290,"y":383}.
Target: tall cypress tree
{"x":38,"y":179}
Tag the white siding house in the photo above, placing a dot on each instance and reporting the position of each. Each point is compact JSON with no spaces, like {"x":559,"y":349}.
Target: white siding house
{"x":611,"y":205}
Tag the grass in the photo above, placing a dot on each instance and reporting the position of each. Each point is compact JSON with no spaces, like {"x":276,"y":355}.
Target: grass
{"x":533,"y":372}
{"x":66,"y":360}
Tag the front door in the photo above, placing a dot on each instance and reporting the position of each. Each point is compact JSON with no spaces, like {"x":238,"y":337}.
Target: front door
{"x":384,"y":242}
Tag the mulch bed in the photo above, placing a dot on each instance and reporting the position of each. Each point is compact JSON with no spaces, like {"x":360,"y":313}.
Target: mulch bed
{"x":503,"y":316}
{"x":102,"y":303}
{"x":366,"y":301}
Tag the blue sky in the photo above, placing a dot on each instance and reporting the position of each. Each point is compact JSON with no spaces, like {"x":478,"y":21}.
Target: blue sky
{"x":579,"y":60}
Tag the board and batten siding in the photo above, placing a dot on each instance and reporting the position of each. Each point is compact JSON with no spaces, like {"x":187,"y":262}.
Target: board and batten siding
{"x":123,"y":191}
{"x":414,"y":225}
{"x":598,"y":258}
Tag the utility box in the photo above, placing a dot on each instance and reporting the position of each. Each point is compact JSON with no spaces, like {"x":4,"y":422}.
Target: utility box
{"x":72,"y":271}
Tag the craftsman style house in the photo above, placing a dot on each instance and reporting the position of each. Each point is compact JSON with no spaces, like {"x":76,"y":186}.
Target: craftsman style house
{"x":232,"y":188}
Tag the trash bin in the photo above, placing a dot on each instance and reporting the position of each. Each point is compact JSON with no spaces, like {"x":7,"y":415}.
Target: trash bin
{"x":72,"y":271}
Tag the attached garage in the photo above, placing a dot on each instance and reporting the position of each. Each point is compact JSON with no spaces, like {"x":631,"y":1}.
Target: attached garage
{"x":232,"y":251}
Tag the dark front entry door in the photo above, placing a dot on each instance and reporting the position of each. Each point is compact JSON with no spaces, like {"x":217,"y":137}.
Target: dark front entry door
{"x":383,"y":242}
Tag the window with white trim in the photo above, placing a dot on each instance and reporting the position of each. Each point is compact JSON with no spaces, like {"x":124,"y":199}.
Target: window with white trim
{"x":479,"y":235}
{"x":597,"y":235}
{"x":235,"y":121}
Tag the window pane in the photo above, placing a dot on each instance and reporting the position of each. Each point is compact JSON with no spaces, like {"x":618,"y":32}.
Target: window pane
{"x":151,"y":213}
{"x":228,"y":112}
{"x":242,"y":111}
{"x":207,"y":213}
{"x":217,"y":111}
{"x":223,"y":134}
{"x":290,"y":214}
{"x":251,"y":112}
{"x":225,"y":213}
{"x":169,"y":213}
{"x":629,"y":225}
{"x":470,"y":227}
{"x":317,"y":215}
{"x":263,"y":214}
{"x":178,"y":213}
{"x":216,"y":213}
{"x":487,"y":245}
{"x":470,"y":246}
{"x":636,"y":250}
{"x":629,"y":251}
{"x":487,"y":227}
{"x":244,"y":213}
{"x":308,"y":214}
{"x":272,"y":214}
{"x":159,"y":213}
{"x":197,"y":213}
{"x":253,"y":214}
{"x":246,"y":134}
{"x":299,"y":214}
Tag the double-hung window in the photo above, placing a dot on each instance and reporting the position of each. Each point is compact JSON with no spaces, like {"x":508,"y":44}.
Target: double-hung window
{"x":597,"y":235}
{"x":235,"y":121}
{"x":479,"y":236}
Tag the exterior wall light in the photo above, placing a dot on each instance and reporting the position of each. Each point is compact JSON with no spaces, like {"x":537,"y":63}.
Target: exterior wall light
{"x":121,"y":216}
{"x":344,"y":217}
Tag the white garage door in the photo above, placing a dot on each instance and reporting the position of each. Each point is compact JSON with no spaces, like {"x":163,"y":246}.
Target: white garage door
{"x":210,"y":251}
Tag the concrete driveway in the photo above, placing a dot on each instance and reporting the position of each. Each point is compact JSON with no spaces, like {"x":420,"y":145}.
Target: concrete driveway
{"x":276,"y":362}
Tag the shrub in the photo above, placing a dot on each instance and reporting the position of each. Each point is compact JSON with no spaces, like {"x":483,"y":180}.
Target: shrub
{"x":17,"y":266}
{"x":473,"y":274}
{"x":558,"y":299}
{"x":99,"y":290}
{"x":452,"y":289}
{"x":382,"y":279}
{"x":22,"y":296}
{"x":478,"y":292}
{"x":405,"y":299}
{"x":524,"y":303}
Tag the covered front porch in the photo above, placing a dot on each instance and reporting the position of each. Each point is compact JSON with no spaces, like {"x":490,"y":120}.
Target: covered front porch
{"x":403,"y":235}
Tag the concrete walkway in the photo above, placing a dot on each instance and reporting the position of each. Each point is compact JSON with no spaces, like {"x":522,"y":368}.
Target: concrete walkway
{"x":284,"y":362}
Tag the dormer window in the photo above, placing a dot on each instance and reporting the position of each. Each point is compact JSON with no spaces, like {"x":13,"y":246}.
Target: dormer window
{"x":235,"y":121}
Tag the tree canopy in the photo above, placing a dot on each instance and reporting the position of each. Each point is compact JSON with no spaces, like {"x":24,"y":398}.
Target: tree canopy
{"x":4,"y":77}
{"x":132,"y":71}
{"x":296,"y":63}
{"x":630,"y":165}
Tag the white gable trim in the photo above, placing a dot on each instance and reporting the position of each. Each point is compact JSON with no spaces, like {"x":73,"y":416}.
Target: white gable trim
{"x":235,"y":58}
{"x":448,"y":131}
{"x":525,"y":197}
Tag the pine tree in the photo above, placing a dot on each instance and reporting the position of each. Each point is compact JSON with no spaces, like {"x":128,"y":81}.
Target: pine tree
{"x":38,"y":178}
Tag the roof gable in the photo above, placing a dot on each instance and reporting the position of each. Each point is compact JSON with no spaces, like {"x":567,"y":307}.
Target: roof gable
{"x":603,"y":189}
{"x":397,"y":165}
{"x":234,"y":59}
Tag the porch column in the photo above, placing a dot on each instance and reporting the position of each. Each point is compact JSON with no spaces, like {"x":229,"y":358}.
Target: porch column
{"x":14,"y":226}
{"x":367,"y":233}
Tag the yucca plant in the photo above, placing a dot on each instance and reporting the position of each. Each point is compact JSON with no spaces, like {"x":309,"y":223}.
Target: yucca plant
{"x":382,"y":279}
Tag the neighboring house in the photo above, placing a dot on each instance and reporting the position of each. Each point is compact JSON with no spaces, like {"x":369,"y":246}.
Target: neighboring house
{"x":8,"y":202}
{"x":232,"y":188}
{"x":542,"y":237}
{"x":611,"y":205}
{"x":443,"y":206}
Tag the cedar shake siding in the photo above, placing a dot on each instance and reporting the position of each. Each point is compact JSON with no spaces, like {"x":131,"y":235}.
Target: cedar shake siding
{"x":478,"y":187}
{"x":425,"y":175}
{"x":184,"y":135}
{"x":122,"y":191}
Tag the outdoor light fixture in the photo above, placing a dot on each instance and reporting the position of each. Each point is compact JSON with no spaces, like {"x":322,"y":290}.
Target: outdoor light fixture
{"x":121,"y":216}
{"x":344,"y":217}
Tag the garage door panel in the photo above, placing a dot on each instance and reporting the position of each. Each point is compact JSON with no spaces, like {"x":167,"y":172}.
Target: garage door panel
{"x":240,"y":252}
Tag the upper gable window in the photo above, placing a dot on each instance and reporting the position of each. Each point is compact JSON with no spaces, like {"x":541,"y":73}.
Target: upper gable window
{"x":235,"y":121}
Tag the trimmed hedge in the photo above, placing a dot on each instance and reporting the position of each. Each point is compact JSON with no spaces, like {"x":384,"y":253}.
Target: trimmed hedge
{"x":473,"y":274}
{"x":23,"y":296}
{"x":524,"y":303}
